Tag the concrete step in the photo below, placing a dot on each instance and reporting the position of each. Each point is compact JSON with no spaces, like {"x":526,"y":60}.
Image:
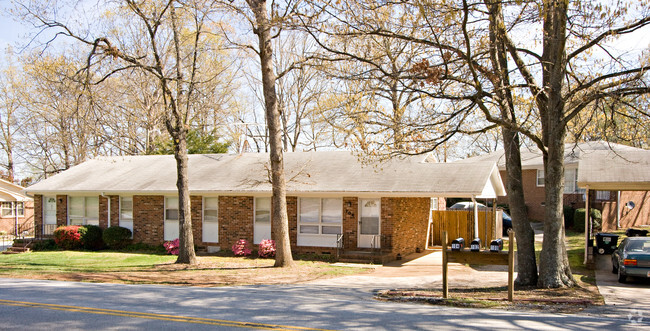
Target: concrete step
{"x":20,"y":249}
{"x":364,"y":257}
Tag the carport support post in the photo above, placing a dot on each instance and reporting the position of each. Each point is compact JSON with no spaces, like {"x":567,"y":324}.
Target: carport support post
{"x":618,"y":210}
{"x":445,"y":287}
{"x":476,"y":234}
{"x":586,"y":261}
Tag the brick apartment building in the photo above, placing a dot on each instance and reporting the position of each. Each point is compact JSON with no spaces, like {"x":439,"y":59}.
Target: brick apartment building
{"x":333,"y":198}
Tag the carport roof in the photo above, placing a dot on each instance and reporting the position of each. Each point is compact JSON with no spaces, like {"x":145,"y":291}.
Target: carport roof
{"x":336,"y":172}
{"x":622,"y":170}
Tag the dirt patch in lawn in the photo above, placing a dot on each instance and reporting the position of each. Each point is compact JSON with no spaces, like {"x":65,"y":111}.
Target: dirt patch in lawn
{"x":561,"y":300}
{"x":209,"y":271}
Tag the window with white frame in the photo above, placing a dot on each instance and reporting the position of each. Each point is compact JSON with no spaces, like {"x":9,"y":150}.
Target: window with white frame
{"x":434,"y":204}
{"x":171,"y":218}
{"x":7,"y":209}
{"x":320,"y":216}
{"x":126,"y":213}
{"x":571,"y":181}
{"x":602,"y":195}
{"x":211,"y":219}
{"x":20,"y":208}
{"x":83,"y":210}
{"x":540,"y":177}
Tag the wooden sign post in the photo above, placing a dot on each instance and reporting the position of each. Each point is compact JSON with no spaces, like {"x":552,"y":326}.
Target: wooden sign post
{"x":482,"y":257}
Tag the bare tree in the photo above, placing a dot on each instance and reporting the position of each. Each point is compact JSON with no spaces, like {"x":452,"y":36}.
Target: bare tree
{"x":267,"y":25}
{"x":171,"y":51}
{"x":481,"y":57}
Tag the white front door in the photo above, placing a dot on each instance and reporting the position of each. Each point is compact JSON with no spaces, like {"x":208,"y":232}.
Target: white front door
{"x":369,"y":223}
{"x":49,"y":215}
{"x":262,"y":225}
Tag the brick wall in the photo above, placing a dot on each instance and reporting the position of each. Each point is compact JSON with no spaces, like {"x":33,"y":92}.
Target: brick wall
{"x":103,"y":212}
{"x":61,"y":210}
{"x":404,"y":224}
{"x":148,"y":219}
{"x":637,"y":216}
{"x":235,"y":220}
{"x":38,"y":214}
{"x":25,"y":222}
{"x":350,"y":222}
{"x":196,"y":213}
{"x":115,"y":210}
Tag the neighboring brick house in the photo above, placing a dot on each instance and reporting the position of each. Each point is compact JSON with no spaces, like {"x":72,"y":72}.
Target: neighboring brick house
{"x":624,"y":171}
{"x":16,"y":209}
{"x":330,"y":196}
{"x":574,"y":196}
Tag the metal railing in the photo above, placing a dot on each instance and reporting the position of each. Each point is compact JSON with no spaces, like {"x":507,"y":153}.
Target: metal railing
{"x":48,"y":229}
{"x":339,"y":245}
{"x":375,"y":244}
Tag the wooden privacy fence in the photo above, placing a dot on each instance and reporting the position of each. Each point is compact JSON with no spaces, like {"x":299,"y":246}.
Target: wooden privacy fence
{"x":460,"y":223}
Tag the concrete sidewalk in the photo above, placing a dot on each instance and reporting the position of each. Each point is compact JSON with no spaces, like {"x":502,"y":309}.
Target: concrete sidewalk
{"x":423,"y":270}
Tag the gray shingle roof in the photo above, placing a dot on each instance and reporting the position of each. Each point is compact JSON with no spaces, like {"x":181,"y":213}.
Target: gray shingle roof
{"x":531,"y":158}
{"x":307,"y":173}
{"x":627,"y":170}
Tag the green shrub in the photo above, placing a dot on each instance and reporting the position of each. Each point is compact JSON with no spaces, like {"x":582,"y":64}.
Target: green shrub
{"x":579,"y":219}
{"x":45,"y":245}
{"x":117,"y":237}
{"x":145,"y":248}
{"x":92,"y":238}
{"x":569,"y":212}
{"x":69,"y":237}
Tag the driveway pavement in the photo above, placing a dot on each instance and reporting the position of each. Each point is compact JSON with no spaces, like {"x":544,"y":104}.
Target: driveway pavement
{"x":631,"y":299}
{"x":423,"y":270}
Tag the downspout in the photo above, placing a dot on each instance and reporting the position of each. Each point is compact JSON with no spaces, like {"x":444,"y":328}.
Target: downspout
{"x":109,"y":209}
{"x":15,"y":211}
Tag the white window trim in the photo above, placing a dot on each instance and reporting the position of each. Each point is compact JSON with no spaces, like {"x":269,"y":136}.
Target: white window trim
{"x":574,"y":182}
{"x":603,"y":195}
{"x":11,"y":209}
{"x":320,"y":223}
{"x":120,"y":219}
{"x":85,"y":218}
{"x":165,"y":220}
{"x":203,"y":204}
{"x":436,"y":205}
{"x":119,"y":216}
{"x":255,"y":207}
{"x":23,"y":213}
{"x":537,"y":178}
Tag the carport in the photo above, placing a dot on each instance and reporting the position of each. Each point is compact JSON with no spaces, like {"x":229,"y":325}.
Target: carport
{"x":612,"y":171}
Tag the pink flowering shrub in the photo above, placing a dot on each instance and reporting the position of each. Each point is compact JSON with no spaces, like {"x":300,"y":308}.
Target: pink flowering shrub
{"x":173,"y":246}
{"x":266,"y":248}
{"x":69,"y":237}
{"x":242,"y":248}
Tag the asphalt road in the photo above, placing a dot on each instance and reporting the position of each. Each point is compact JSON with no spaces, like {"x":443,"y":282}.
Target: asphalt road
{"x":45,"y":305}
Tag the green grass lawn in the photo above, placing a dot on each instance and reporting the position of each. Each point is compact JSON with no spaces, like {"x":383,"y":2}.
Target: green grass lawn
{"x":153,"y":268}
{"x":73,"y":261}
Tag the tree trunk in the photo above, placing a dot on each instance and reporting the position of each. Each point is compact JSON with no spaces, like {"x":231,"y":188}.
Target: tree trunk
{"x":554,"y":264}
{"x":554,"y":269}
{"x":526,"y":260}
{"x":280,"y":220}
{"x":186,"y":239}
